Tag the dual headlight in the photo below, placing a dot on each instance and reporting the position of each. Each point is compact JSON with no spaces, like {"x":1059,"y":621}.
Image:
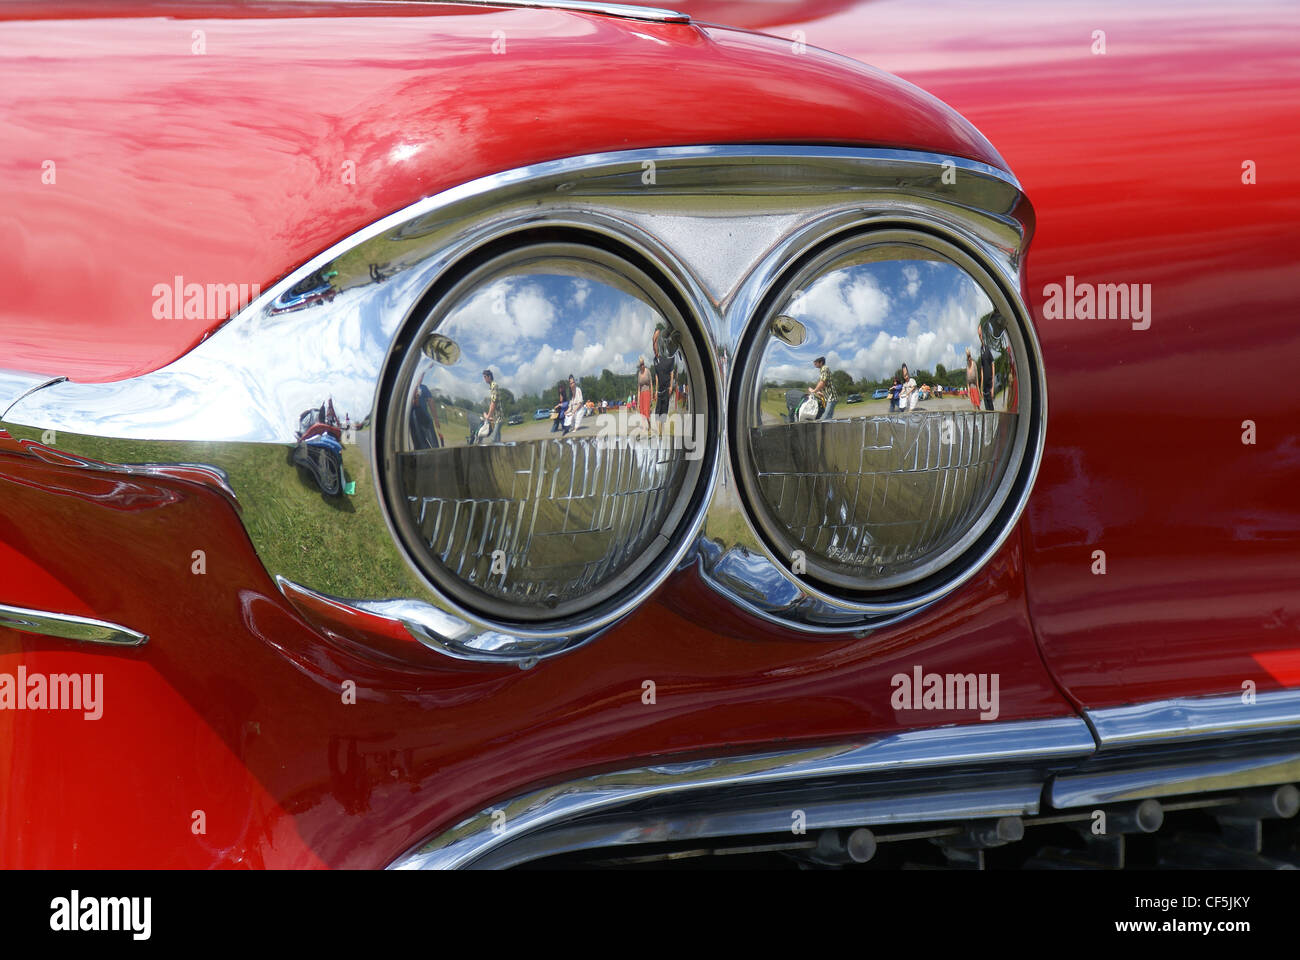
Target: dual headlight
{"x":549,"y":441}
{"x":545,"y":440}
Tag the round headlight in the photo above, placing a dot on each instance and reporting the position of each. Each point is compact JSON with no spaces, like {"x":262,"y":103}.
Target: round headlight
{"x":546,"y":432}
{"x":880,"y":410}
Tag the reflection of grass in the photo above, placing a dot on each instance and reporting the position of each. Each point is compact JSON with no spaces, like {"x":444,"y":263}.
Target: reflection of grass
{"x":336,"y":545}
{"x":773,"y":403}
{"x":728,"y":527}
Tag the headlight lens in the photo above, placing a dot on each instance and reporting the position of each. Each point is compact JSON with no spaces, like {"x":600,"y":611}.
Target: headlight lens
{"x":524,"y":495}
{"x":884,"y":473}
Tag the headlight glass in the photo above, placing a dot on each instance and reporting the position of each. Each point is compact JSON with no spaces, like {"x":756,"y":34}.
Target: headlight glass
{"x":534,"y":469}
{"x":879,"y":416}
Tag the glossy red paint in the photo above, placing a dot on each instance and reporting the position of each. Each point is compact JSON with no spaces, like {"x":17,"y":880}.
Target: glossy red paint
{"x":1134,"y":162}
{"x":234,"y":707}
{"x":299,"y":125}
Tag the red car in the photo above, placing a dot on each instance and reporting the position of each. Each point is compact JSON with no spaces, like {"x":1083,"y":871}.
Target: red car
{"x":1056,"y":624}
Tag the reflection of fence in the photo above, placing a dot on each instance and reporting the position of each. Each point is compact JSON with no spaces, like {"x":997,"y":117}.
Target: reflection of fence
{"x":567,"y":513}
{"x":875,"y":493}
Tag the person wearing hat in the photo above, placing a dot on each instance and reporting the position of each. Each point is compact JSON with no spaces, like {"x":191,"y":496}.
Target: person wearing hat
{"x":824,"y":390}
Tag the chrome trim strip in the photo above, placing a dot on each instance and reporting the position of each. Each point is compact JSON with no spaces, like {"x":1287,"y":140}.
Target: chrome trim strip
{"x":478,"y":835}
{"x":15,"y":385}
{"x":970,"y":803}
{"x":66,"y":626}
{"x":1194,"y":718}
{"x":234,"y":400}
{"x":1196,"y":776}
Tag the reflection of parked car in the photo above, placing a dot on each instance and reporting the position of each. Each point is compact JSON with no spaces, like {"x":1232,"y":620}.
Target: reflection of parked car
{"x":853,"y":398}
{"x":880,"y":394}
{"x":543,"y":413}
{"x":320,"y":447}
{"x":515,"y":419}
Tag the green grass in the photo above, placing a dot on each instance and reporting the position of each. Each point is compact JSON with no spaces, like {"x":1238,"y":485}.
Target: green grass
{"x":336,"y":545}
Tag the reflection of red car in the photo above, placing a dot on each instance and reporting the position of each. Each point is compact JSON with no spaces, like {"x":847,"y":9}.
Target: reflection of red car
{"x":1099,"y":641}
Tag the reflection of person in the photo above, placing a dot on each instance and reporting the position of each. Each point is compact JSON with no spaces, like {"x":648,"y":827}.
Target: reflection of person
{"x":577,"y":407}
{"x":558,"y":411}
{"x":894,"y":391}
{"x":908,"y":396}
{"x":665,"y":377}
{"x":824,"y":390}
{"x":643,"y":385}
{"x":972,"y":381}
{"x":986,"y":371}
{"x":493,"y":416}
{"x":424,"y":420}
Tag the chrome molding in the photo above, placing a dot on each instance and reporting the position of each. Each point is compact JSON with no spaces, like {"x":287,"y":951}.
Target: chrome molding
{"x":1160,"y":749}
{"x":1192,"y":776}
{"x":1195,"y":718}
{"x":475,"y":838}
{"x":233,"y":401}
{"x":14,"y":385}
{"x":966,"y":802}
{"x":66,"y":626}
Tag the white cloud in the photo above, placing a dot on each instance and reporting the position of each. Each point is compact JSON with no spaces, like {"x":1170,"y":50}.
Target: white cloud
{"x":841,"y":303}
{"x":865,"y":333}
{"x":502,"y":314}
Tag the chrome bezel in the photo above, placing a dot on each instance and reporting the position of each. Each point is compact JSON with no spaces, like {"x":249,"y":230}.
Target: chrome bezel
{"x":721,"y":223}
{"x":898,"y":593}
{"x":610,"y":601}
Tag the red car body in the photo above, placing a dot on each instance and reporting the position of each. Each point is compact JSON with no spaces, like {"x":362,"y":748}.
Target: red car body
{"x":174,"y":163}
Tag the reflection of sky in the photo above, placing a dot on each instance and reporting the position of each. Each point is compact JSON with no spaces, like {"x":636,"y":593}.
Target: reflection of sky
{"x":870,"y":318}
{"x":532,"y":330}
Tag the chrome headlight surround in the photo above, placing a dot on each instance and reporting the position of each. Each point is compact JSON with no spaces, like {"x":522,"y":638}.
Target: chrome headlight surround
{"x":720,"y":223}
{"x":884,"y":598}
{"x":588,"y":254}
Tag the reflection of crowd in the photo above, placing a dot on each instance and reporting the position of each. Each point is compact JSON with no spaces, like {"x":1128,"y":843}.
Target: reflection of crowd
{"x":657,"y":387}
{"x":567,"y":414}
